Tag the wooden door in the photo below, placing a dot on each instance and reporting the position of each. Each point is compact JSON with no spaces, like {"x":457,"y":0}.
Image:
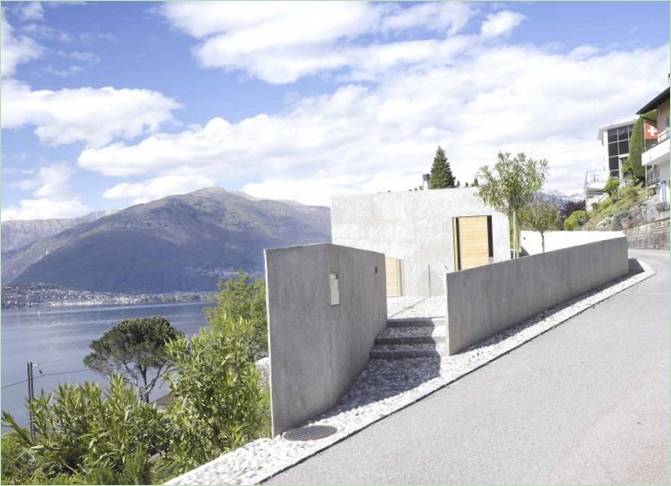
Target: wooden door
{"x":472,"y":235}
{"x":394,"y":276}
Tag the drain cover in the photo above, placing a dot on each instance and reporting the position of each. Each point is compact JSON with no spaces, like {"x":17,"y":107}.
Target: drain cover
{"x":311,"y":432}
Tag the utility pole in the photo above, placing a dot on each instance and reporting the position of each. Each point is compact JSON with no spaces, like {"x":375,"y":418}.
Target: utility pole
{"x":31,"y":396}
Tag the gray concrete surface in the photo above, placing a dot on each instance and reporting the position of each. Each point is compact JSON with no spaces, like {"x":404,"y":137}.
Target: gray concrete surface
{"x":585,"y":403}
{"x":415,"y":226}
{"x":486,"y":300}
{"x":317,"y":349}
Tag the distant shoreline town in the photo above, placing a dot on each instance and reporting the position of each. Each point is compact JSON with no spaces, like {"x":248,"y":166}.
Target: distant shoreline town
{"x":43,"y":295}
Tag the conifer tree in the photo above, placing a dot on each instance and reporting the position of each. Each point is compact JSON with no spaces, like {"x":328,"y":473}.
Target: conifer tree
{"x":441,"y":174}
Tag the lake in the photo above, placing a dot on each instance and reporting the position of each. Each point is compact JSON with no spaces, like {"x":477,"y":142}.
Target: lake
{"x":59,"y":338}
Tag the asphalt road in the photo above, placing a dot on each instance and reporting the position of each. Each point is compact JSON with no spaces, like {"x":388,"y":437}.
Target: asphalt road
{"x":585,"y":403}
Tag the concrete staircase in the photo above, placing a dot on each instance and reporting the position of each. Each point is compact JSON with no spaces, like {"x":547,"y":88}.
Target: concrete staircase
{"x":411,"y":338}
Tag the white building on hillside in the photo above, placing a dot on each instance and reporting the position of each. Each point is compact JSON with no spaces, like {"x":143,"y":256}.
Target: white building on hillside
{"x":655,"y":158}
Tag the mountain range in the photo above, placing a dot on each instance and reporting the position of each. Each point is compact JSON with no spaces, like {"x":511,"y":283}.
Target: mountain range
{"x":177,"y":243}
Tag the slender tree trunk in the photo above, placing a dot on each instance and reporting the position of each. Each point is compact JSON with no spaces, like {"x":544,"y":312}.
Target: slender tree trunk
{"x":543,"y":241}
{"x":515,"y":252}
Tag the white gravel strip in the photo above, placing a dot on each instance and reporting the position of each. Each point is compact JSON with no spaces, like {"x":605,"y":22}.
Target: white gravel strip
{"x":385,"y":387}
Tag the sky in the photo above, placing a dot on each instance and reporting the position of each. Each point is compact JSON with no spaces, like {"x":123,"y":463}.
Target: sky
{"x":105,"y":105}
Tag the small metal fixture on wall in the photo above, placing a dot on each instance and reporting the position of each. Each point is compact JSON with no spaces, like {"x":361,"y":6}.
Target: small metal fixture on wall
{"x":335,"y":290}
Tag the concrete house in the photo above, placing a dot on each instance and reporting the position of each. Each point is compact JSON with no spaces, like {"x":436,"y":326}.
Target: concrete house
{"x":423,"y":234}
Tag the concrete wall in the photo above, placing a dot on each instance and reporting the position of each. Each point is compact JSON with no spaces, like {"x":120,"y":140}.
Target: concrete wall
{"x":486,"y":300}
{"x":317,"y":350}
{"x":556,"y":240}
{"x":415,"y":226}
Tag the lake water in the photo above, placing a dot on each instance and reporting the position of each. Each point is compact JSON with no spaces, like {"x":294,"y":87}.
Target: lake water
{"x":59,"y":338}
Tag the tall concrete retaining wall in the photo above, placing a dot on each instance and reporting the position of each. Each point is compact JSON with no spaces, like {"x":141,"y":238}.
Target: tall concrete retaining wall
{"x":415,"y":226}
{"x":326,"y":304}
{"x":486,"y":300}
{"x":556,"y":240}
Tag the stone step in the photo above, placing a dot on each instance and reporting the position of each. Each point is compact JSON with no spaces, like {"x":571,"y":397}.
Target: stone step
{"x":416,"y":322}
{"x":404,"y":351}
{"x":412,"y":335}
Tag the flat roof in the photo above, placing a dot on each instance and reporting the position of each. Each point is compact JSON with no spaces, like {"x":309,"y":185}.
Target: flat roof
{"x":655,"y":102}
{"x":612,"y":126}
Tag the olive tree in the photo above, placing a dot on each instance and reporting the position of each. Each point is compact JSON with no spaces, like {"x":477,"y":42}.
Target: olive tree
{"x":511,"y":185}
{"x":136,"y":350}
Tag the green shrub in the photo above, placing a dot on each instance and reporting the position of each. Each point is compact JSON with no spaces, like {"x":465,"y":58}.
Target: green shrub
{"x":611,"y":187}
{"x":575,"y":220}
{"x":217,"y":403}
{"x":243,"y":297}
{"x":83,"y":434}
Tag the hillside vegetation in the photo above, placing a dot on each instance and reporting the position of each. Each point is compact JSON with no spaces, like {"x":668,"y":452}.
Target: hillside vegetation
{"x":616,"y":210}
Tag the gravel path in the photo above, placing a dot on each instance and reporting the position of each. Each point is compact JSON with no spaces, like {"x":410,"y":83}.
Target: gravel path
{"x":388,"y":386}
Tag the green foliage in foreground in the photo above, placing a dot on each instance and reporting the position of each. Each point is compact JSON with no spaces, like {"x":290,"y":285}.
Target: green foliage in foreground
{"x":86,"y":435}
{"x":135,"y":350}
{"x":217,"y":403}
{"x":243,"y":297}
{"x":83,"y":435}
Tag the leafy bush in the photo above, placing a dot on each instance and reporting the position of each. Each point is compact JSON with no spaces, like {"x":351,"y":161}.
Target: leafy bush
{"x":243,"y":297}
{"x":576,"y":219}
{"x":611,"y":187}
{"x":217,"y":403}
{"x":83,"y":434}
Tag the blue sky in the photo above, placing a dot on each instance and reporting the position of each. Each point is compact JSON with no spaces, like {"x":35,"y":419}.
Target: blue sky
{"x":109,"y":104}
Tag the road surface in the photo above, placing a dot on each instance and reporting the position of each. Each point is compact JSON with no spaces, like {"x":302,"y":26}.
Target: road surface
{"x":585,"y":403}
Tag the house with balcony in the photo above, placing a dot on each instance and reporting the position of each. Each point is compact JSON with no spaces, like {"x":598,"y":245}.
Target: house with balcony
{"x":655,"y":156}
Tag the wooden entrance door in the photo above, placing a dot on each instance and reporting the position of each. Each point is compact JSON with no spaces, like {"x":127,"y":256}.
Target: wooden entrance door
{"x":394,"y":276}
{"x":472,"y":241}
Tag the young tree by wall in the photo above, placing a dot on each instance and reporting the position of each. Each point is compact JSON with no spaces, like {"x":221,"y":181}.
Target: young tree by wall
{"x":511,"y":185}
{"x":441,"y":173}
{"x":540,"y":216}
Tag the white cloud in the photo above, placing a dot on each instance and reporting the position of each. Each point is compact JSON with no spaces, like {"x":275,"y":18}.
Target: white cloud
{"x":50,"y":181}
{"x":95,"y":116}
{"x":16,"y":49}
{"x":51,"y":196}
{"x":45,"y":208}
{"x":359,"y":138}
{"x":280,"y":42}
{"x":500,"y":23}
{"x":177,"y":183}
{"x":30,"y":10}
{"x":65,"y":72}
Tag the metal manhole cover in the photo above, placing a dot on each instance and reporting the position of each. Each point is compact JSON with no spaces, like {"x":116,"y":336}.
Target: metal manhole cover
{"x":311,"y":432}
